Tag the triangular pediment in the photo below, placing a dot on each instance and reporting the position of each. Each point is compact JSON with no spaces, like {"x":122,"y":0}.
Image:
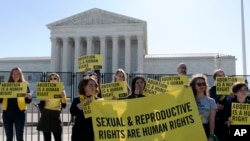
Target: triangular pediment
{"x":95,"y":16}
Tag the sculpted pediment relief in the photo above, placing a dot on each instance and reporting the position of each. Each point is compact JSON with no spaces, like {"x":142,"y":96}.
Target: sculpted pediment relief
{"x":95,"y":17}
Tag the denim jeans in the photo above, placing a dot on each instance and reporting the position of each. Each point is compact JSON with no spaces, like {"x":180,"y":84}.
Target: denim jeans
{"x":11,"y":118}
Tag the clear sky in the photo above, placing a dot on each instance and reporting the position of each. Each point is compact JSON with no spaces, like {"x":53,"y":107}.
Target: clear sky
{"x":174,"y":26}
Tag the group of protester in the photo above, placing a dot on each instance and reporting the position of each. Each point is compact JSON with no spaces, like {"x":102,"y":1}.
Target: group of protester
{"x":214,"y":109}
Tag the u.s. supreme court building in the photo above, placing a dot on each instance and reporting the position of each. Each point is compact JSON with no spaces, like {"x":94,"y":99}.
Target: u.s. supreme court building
{"x":121,"y":40}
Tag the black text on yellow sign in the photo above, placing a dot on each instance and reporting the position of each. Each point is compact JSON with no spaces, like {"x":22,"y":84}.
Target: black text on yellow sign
{"x":166,"y":118}
{"x":116,"y":89}
{"x":240,"y":114}
{"x":154,"y":87}
{"x":47,"y":90}
{"x":93,"y":62}
{"x":175,"y":80}
{"x":224,"y":84}
{"x":13,"y":89}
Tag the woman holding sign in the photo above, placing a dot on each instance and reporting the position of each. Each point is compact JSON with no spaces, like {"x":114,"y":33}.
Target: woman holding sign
{"x":138,"y":85}
{"x":119,"y":76}
{"x":14,"y":108}
{"x":240,"y":112}
{"x":82,"y":128}
{"x":206,"y":105}
{"x":50,"y":121}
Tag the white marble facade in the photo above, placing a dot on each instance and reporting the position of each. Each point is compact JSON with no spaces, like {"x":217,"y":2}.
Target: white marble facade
{"x":121,"y":40}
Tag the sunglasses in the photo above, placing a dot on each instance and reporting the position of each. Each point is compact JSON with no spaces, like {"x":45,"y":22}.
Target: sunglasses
{"x":201,"y":84}
{"x":53,"y":78}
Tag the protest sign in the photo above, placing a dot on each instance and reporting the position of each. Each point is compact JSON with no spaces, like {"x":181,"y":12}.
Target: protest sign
{"x":47,"y":90}
{"x":13,"y":89}
{"x":169,"y":116}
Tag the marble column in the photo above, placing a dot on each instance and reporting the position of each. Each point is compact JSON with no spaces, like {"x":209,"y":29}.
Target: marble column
{"x":127,"y":54}
{"x":89,"y":45}
{"x":54,"y":55}
{"x":140,"y":59}
{"x":103,"y":53}
{"x":77,"y":52}
{"x":114,"y":53}
{"x":65,"y":56}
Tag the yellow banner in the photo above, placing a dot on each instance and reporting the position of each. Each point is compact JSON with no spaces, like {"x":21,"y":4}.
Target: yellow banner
{"x":154,"y":87}
{"x":117,"y":89}
{"x":47,"y":90}
{"x":224,"y":84}
{"x":86,"y":107}
{"x":13,"y":89}
{"x":175,"y":82}
{"x":169,"y":117}
{"x":240,"y":114}
{"x":93,"y":62}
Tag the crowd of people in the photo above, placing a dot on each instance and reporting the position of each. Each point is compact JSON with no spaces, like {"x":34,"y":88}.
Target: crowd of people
{"x":214,"y":109}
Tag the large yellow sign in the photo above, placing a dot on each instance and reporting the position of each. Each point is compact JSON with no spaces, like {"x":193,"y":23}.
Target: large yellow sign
{"x":13,"y":89}
{"x":169,"y":117}
{"x":93,"y":62}
{"x":47,"y":90}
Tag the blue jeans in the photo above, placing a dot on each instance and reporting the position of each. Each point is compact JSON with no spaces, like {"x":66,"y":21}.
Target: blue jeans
{"x":11,"y":118}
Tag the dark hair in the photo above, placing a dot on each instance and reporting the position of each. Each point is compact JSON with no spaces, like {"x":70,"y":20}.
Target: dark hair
{"x":134,"y":81}
{"x":238,"y":85}
{"x":193,"y":80}
{"x":84,"y":82}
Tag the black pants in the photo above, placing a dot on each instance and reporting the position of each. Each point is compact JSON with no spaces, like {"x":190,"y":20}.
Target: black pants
{"x":221,"y":131}
{"x":47,"y":136}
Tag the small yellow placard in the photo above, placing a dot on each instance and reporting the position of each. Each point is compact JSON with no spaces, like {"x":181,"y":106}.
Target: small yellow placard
{"x":47,"y":90}
{"x":224,"y":84}
{"x":154,"y":87}
{"x":93,"y":62}
{"x":116,"y":89}
{"x":175,"y":82}
{"x":240,"y":114}
{"x":13,"y":89}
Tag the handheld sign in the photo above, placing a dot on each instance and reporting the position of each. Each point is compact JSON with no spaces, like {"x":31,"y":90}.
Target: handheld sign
{"x":224,"y":84}
{"x":93,"y":62}
{"x":240,"y":114}
{"x":47,"y":90}
{"x":86,"y":107}
{"x":13,"y":89}
{"x":175,"y":82}
{"x":154,"y":87}
{"x":117,"y":89}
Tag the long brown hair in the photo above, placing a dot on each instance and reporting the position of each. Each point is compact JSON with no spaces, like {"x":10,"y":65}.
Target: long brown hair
{"x":21,"y":79}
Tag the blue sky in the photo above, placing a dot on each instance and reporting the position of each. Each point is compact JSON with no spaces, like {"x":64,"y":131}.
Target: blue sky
{"x":174,"y":26}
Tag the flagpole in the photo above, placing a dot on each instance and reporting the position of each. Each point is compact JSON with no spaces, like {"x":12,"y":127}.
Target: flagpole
{"x":243,"y":40}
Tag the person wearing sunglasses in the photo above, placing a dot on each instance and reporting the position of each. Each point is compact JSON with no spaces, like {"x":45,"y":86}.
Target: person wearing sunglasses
{"x":50,"y":121}
{"x":206,"y":105}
